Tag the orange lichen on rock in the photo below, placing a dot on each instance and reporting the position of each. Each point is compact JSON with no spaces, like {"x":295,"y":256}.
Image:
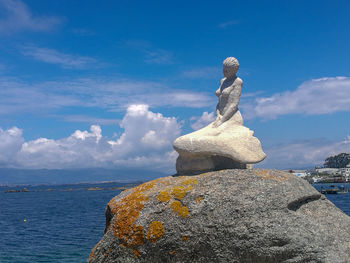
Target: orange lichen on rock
{"x":163,"y":196}
{"x":179,"y":192}
{"x":155,"y":231}
{"x":92,"y":253}
{"x":189,"y":181}
{"x":269,"y":175}
{"x":198,"y":199}
{"x":184,"y":238}
{"x":179,"y":209}
{"x":137,"y":253}
{"x":126,"y":211}
{"x":189,"y":188}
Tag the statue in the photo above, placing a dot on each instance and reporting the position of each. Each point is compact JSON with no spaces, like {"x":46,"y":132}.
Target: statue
{"x":225,"y":143}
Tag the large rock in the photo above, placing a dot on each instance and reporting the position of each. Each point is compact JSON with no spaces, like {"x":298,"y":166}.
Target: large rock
{"x":259,"y":216}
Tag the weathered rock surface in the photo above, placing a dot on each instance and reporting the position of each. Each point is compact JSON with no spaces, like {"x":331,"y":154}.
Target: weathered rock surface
{"x":259,"y":216}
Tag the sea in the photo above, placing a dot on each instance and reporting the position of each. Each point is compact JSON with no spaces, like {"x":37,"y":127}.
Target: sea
{"x":62,"y":223}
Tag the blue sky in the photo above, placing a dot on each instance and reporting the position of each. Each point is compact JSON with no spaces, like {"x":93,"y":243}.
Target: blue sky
{"x":113,"y":83}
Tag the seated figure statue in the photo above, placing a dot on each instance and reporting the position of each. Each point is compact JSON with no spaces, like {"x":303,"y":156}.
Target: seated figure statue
{"x":225,"y":143}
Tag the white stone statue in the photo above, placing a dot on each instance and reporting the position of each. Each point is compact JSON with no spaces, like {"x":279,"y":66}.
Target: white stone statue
{"x":224,"y":143}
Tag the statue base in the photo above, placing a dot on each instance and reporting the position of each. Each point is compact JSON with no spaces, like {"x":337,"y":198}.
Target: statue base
{"x":199,"y":164}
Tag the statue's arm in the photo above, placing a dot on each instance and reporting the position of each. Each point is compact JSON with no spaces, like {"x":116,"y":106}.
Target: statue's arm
{"x":218,"y":93}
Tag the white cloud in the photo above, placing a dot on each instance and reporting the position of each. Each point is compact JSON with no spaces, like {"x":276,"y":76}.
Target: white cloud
{"x":52,"y":56}
{"x":151,"y":54}
{"x":303,"y":154}
{"x":314,"y":97}
{"x":18,"y":17}
{"x":203,"y":120}
{"x":158,"y":56}
{"x":113,"y":95}
{"x":90,"y":120}
{"x":10,"y":144}
{"x":146,"y":142}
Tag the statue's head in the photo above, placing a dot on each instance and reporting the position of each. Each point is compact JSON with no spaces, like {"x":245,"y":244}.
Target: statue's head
{"x":230,"y":67}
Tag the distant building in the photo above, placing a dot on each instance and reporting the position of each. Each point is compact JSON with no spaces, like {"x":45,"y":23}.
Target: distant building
{"x":316,"y":179}
{"x":330,"y":171}
{"x":345,"y":172}
{"x":300,"y":173}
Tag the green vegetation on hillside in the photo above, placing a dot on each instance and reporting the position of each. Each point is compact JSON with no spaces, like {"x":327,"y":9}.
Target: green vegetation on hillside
{"x":338,"y":161}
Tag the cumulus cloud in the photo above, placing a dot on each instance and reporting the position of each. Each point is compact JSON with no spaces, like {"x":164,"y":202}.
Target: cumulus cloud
{"x":18,"y":17}
{"x":146,"y":142}
{"x":11,"y":141}
{"x":202,"y":121}
{"x":314,"y":97}
{"x":303,"y":154}
{"x":52,"y":56}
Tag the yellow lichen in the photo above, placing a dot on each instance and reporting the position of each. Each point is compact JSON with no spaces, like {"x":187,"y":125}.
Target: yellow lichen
{"x":163,"y":196}
{"x":155,"y":231}
{"x":189,"y":181}
{"x":175,"y":205}
{"x":184,"y":238}
{"x":269,"y":175}
{"x":189,"y":188}
{"x":183,"y":211}
{"x":198,"y":199}
{"x":166,"y":183}
{"x":178,"y":209}
{"x":178,"y":192}
{"x":126,"y":211}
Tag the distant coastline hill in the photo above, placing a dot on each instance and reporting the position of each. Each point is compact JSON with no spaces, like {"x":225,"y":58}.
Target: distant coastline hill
{"x":9,"y":176}
{"x":337,"y":161}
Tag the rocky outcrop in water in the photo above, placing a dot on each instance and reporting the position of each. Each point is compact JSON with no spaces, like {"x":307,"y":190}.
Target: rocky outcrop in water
{"x":247,"y":215}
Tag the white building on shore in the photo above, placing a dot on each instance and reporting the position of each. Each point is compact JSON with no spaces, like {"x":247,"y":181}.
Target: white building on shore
{"x":330,"y":171}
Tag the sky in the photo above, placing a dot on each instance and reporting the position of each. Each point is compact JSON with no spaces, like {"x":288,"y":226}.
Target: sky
{"x":111,"y":84}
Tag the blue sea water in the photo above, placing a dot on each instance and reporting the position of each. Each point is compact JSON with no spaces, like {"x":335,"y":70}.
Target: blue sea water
{"x":64,"y":223}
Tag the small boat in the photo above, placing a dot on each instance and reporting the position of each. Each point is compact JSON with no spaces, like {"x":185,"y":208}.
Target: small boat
{"x":342,"y":190}
{"x":332,"y":190}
